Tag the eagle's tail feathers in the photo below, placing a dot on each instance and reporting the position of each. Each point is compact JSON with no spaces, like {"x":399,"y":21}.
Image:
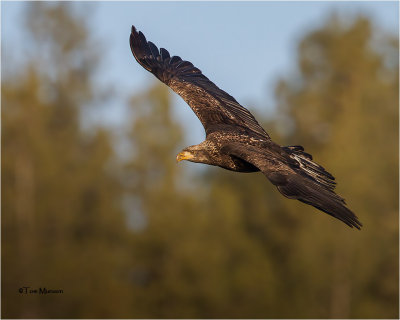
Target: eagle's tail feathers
{"x":307,"y":191}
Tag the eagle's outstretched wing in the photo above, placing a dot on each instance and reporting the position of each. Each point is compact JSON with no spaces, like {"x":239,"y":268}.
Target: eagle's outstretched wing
{"x":213,"y":106}
{"x":305,"y":181}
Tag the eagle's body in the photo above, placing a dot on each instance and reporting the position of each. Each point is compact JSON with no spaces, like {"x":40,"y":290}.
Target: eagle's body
{"x":235,"y":140}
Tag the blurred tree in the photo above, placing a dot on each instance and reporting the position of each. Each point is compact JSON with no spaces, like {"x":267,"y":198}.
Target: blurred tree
{"x":61,"y":224}
{"x":344,"y":109}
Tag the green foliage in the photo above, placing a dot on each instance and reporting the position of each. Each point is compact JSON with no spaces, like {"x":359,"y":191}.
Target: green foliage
{"x":344,"y":107}
{"x":143,"y":238}
{"x":58,"y":192}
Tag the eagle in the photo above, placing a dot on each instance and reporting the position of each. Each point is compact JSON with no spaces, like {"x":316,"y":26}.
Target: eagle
{"x":235,"y":140}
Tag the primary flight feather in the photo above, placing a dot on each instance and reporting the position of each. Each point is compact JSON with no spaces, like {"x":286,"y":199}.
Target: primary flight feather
{"x":235,"y":140}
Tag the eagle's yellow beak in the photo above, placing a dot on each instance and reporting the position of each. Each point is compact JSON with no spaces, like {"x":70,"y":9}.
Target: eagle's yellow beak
{"x":184,"y":155}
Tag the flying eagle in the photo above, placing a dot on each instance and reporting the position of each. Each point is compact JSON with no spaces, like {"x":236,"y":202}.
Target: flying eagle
{"x":235,"y":140}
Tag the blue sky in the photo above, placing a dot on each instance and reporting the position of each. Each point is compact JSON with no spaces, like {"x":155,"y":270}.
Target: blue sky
{"x":244,"y":47}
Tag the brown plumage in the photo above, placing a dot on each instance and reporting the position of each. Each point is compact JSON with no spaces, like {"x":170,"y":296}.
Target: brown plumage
{"x":235,"y":140}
